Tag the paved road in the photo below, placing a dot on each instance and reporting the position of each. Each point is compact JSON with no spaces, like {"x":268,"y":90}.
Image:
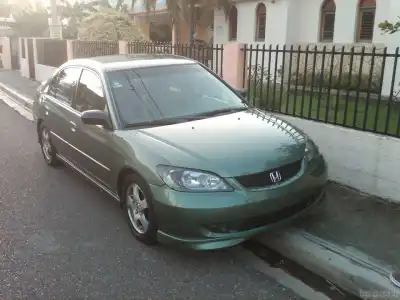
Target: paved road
{"x":62,"y":238}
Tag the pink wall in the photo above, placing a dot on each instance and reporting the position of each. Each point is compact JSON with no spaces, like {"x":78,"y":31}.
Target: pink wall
{"x":233,"y":64}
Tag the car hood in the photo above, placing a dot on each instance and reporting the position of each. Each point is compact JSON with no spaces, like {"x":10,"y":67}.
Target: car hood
{"x":228,"y":145}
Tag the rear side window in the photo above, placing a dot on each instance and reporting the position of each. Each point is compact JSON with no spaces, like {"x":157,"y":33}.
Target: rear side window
{"x":64,"y":85}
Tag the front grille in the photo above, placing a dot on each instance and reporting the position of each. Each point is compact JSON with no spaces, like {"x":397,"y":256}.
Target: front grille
{"x":263,"y":179}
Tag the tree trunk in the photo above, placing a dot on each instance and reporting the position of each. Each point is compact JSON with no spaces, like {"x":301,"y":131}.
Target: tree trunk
{"x":54,"y":12}
{"x":190,"y":21}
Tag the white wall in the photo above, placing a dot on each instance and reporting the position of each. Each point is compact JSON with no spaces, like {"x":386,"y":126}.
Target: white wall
{"x":364,"y":161}
{"x":43,"y":72}
{"x":276,"y":31}
{"x":24,"y":67}
{"x":298,"y":22}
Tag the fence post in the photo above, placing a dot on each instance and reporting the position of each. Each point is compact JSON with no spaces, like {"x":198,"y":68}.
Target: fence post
{"x":70,"y":49}
{"x":391,"y":76}
{"x":24,"y":57}
{"x":6,"y":53}
{"x":123,"y":47}
{"x":174,"y":39}
{"x":233,"y":64}
{"x":35,"y":52}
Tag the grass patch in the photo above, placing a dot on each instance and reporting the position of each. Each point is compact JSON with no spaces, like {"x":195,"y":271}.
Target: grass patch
{"x":339,"y":110}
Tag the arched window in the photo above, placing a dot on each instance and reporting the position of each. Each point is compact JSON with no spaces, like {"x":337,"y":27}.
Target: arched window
{"x":261,"y":19}
{"x":366,"y":20}
{"x":233,"y":18}
{"x":327,"y":28}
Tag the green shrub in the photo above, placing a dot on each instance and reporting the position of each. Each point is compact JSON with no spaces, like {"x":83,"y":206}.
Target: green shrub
{"x":346,"y":82}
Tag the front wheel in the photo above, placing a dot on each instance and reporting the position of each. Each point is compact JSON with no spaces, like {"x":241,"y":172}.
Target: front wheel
{"x":138,"y":209}
{"x":48,"y":150}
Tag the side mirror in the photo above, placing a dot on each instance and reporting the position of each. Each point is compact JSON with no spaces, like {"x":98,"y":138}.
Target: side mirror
{"x":242,"y":92}
{"x":96,"y":117}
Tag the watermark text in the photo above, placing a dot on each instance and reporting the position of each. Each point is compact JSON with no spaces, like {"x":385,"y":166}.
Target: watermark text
{"x":366,"y":294}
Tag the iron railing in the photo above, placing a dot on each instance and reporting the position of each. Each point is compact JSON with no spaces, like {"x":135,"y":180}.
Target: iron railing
{"x":349,"y":86}
{"x":82,"y":49}
{"x":209,"y":55}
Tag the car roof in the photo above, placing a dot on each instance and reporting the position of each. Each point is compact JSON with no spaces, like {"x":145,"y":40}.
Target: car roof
{"x":129,"y":61}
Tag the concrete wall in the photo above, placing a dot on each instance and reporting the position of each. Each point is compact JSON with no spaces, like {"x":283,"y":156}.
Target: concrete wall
{"x":24,"y":63}
{"x":43,"y":72}
{"x":6,"y":53}
{"x":365,"y":161}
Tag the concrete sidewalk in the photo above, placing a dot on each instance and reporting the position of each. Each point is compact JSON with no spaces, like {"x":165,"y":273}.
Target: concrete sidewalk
{"x":353,"y":242}
{"x":21,"y":89}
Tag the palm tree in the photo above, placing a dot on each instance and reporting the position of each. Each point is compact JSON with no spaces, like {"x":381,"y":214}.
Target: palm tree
{"x":187,"y":10}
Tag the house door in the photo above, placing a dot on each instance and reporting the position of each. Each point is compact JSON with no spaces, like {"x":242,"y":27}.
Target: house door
{"x":31,"y":59}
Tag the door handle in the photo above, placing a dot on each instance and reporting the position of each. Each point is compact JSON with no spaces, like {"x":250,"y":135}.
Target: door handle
{"x":73,"y":128}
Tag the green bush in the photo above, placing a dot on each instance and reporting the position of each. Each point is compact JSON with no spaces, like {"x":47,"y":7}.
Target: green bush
{"x":346,"y":82}
{"x":266,"y":96}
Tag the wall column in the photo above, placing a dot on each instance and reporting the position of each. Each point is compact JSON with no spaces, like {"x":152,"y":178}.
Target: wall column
{"x":233,"y":64}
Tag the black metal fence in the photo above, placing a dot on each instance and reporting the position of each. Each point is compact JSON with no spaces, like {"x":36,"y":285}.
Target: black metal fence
{"x":209,"y":55}
{"x":350,"y":86}
{"x":82,"y":49}
{"x":51,"y":52}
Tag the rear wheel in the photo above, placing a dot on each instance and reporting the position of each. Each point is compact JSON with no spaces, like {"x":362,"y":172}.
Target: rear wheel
{"x":48,"y":150}
{"x":138,"y":209}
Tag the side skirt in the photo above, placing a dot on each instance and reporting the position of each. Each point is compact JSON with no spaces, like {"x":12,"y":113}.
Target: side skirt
{"x":92,"y":179}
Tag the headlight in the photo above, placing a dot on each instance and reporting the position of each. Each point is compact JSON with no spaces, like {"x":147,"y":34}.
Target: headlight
{"x":181,"y":179}
{"x":311,"y":150}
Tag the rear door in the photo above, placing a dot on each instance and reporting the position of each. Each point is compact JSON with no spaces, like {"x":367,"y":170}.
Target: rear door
{"x":57,"y":101}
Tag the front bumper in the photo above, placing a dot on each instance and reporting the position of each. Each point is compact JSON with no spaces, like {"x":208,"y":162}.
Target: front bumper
{"x":203,"y":221}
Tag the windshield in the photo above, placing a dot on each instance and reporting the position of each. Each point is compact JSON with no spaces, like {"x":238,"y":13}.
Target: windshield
{"x":169,"y":92}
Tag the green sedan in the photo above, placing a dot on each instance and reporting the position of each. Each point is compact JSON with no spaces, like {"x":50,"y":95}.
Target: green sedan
{"x":191,"y":162}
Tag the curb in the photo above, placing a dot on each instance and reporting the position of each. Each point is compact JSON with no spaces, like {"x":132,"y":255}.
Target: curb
{"x":348,"y":268}
{"x":16,"y":96}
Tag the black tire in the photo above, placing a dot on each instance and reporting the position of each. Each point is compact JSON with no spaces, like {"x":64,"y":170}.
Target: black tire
{"x":149,"y":236}
{"x":50,"y":155}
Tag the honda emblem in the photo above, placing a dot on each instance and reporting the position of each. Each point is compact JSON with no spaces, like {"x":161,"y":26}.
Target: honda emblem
{"x":275,"y":176}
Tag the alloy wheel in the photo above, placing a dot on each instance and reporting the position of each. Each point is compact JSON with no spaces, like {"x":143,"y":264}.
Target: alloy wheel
{"x":137,"y":206}
{"x":46,"y":145}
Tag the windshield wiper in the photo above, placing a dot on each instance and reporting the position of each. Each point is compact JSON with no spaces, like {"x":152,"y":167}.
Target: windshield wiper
{"x":220,"y":111}
{"x":157,"y":123}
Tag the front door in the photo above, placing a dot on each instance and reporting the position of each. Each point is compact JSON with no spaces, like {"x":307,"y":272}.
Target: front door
{"x":95,"y":142}
{"x":57,"y":101}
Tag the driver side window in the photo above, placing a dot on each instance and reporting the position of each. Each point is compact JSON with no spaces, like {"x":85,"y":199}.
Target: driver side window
{"x":90,"y":93}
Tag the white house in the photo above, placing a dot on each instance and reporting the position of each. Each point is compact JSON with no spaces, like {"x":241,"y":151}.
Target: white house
{"x":305,"y":21}
{"x":321,"y":23}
